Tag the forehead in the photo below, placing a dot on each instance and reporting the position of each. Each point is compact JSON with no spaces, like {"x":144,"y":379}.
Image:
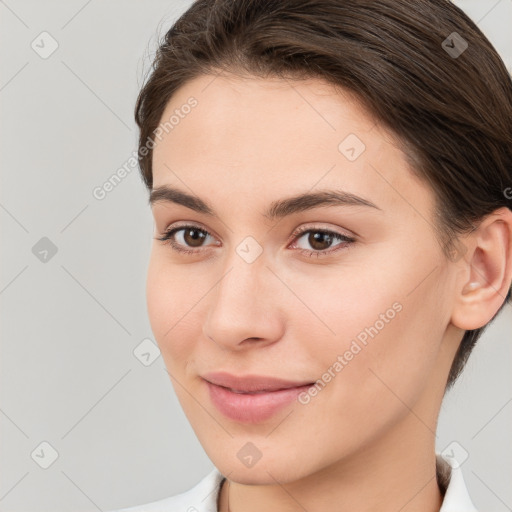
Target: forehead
{"x":255,"y":112}
{"x":266,"y":136}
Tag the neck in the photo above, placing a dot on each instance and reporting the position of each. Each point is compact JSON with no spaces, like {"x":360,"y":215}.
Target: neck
{"x":382,"y":478}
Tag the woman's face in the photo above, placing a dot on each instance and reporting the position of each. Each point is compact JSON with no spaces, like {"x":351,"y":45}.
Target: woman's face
{"x":362,"y":310}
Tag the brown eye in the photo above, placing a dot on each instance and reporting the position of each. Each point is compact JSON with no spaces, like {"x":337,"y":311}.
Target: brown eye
{"x":194,"y":237}
{"x":320,"y":241}
{"x":180,"y":238}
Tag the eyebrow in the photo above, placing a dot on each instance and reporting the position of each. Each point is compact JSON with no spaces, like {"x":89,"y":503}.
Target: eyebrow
{"x":277,"y":209}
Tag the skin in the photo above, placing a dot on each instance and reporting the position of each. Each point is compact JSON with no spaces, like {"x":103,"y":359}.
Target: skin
{"x":367,"y":440}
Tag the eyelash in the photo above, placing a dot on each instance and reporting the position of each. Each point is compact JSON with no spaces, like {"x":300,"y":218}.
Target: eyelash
{"x":167,"y":238}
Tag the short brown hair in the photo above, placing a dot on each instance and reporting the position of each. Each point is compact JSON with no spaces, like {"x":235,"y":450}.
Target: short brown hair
{"x":448,"y":104}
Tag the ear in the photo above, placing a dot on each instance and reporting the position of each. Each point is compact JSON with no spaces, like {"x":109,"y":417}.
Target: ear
{"x":486,"y":274}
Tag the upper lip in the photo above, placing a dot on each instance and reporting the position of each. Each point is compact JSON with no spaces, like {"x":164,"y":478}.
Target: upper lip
{"x":251,"y":383}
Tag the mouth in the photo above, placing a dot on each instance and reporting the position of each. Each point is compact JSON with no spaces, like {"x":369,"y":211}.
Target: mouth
{"x":253,"y":392}
{"x":252,"y":399}
{"x":252,"y":383}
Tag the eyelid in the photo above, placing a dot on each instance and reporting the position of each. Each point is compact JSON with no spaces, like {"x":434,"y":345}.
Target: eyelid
{"x":188,"y":224}
{"x":300,"y":230}
{"x":344,"y":232}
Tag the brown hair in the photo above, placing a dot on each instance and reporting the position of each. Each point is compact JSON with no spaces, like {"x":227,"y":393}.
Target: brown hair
{"x":450,"y":106}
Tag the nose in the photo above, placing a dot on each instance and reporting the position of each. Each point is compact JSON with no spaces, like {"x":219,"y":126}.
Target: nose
{"x":245,"y":308}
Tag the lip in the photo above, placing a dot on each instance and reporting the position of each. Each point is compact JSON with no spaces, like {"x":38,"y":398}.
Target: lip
{"x":251,"y":398}
{"x":251,"y":383}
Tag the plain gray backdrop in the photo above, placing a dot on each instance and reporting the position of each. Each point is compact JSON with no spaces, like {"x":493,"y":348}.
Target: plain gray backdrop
{"x":72,"y":284}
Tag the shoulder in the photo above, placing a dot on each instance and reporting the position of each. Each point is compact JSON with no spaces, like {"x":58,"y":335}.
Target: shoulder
{"x":200,"y":498}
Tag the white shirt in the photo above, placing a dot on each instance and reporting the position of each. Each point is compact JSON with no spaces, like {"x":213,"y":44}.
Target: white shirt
{"x":203,"y":496}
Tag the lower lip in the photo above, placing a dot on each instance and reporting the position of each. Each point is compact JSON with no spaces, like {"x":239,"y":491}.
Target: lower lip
{"x":252,"y":408}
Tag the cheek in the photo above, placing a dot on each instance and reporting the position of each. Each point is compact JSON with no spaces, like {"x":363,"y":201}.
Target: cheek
{"x":378,"y":330}
{"x":170,"y":300}
{"x":390,"y":375}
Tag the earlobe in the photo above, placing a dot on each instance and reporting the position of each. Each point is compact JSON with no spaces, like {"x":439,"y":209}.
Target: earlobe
{"x":485,"y":280}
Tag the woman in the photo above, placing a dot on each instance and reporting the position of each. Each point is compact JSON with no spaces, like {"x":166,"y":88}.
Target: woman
{"x":330,"y":183}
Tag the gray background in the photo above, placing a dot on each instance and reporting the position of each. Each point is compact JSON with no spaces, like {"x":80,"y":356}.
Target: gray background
{"x":71,"y":323}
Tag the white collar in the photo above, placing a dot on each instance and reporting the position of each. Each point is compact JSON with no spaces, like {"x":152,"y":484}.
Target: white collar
{"x":203,"y":496}
{"x":456,"y":497}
